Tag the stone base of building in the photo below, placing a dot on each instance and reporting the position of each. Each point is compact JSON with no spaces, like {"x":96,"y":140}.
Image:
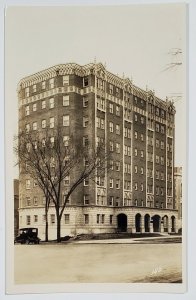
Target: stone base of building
{"x":100,"y":219}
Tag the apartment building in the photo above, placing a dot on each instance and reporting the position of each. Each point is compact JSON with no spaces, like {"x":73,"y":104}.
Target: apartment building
{"x":136,"y":193}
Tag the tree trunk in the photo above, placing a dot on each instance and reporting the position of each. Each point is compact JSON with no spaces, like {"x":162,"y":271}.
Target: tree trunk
{"x":46,"y":229}
{"x":58,"y":229}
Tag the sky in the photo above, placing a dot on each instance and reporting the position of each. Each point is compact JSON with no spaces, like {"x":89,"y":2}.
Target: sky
{"x":134,"y":40}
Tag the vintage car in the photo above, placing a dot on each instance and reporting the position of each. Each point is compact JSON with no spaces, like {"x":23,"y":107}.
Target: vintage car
{"x":27,"y":236}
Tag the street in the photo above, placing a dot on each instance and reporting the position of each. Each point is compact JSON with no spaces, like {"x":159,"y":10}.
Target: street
{"x":97,"y":263}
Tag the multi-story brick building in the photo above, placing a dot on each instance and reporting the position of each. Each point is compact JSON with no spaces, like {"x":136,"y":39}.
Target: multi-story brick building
{"x":136,"y":194}
{"x":178,"y":193}
{"x":16,"y":206}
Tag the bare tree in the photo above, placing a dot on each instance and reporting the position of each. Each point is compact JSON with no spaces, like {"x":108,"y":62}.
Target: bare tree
{"x":50,"y":160}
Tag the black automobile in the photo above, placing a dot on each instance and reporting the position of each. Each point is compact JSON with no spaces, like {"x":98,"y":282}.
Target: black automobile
{"x":27,"y":236}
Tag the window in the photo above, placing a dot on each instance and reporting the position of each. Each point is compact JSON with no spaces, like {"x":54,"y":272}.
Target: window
{"x":111,"y":183}
{"x":34,"y":125}
{"x":135,"y":134}
{"x":66,"y":100}
{"x":135,"y":118}
{"x":129,"y":133}
{"x":86,"y":199}
{"x":157,"y":190}
{"x":111,"y":127}
{"x":43,"y":200}
{"x":51,"y":83}
{"x":27,"y":92}
{"x":142,"y":170}
{"x":34,"y":106}
{"x":86,"y":182}
{"x":117,"y":129}
{"x":43,"y":104}
{"x":162,"y":145}
{"x":111,"y":200}
{"x":34,"y":88}
{"x":28,"y":220}
{"x":66,"y":80}
{"x":27,"y":110}
{"x":85,"y":101}
{"x":111,"y":89}
{"x":162,"y":129}
{"x":135,"y":151}
{"x":135,"y":168}
{"x":85,"y":121}
{"x":157,"y":127}
{"x":85,"y":140}
{"x":117,"y":110}
{"x":111,"y":219}
{"x":98,"y":218}
{"x":52,"y":219}
{"x":157,"y":174}
{"x":86,"y":219}
{"x":111,"y":146}
{"x":28,"y":184}
{"x":157,"y":111}
{"x":142,"y":153}
{"x":142,"y":120}
{"x":135,"y":186}
{"x":162,"y":176}
{"x":35,"y":201}
{"x":66,"y":140}
{"x":111,"y":108}
{"x":117,"y":148}
{"x":43,"y":85}
{"x":66,"y":218}
{"x":111,"y":164}
{"x":43,"y":123}
{"x":142,"y":187}
{"x":117,"y":166}
{"x":51,"y":102}
{"x":35,"y":218}
{"x":52,"y":122}
{"x":161,"y":191}
{"x":125,"y":131}
{"x":129,"y":151}
{"x":43,"y":142}
{"x":27,"y":127}
{"x":102,"y":219}
{"x":125,"y":149}
{"x":157,"y":159}
{"x":66,"y":180}
{"x":66,"y":120}
{"x":142,"y":137}
{"x":102,"y":124}
{"x":117,"y":183}
{"x":85,"y":81}
{"x":28,"y":201}
{"x":162,"y":160}
{"x":157,"y":143}
{"x":162,"y":114}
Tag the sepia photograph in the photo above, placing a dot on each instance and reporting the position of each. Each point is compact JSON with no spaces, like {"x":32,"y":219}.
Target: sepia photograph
{"x":96,"y":102}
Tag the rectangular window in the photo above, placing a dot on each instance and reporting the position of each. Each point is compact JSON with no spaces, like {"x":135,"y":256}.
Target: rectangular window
{"x":35,"y":201}
{"x":117,"y":110}
{"x":85,"y":101}
{"x":35,"y":218}
{"x":111,"y":127}
{"x":157,"y":127}
{"x":135,"y":151}
{"x":162,"y":129}
{"x":125,"y":131}
{"x":85,"y":140}
{"x":43,"y":123}
{"x":142,"y":153}
{"x":135,"y":134}
{"x":28,"y":183}
{"x":129,"y":133}
{"x":85,"y":121}
{"x":111,"y":200}
{"x":66,"y":180}
{"x":142,"y":187}
{"x":43,"y":85}
{"x":52,"y":219}
{"x":111,"y":219}
{"x":142,"y":170}
{"x":157,"y":159}
{"x":102,"y":219}
{"x":51,"y":102}
{"x":27,"y":110}
{"x":28,"y":220}
{"x":52,"y":122}
{"x":111,"y":108}
{"x":117,"y":166}
{"x":102,"y":123}
{"x":66,"y":120}
{"x":86,"y":182}
{"x":157,"y":143}
{"x":43,"y":104}
{"x":117,"y":129}
{"x":34,"y":125}
{"x":129,"y":151}
{"x":28,"y":201}
{"x":27,"y":92}
{"x":135,"y":118}
{"x":117,"y":183}
{"x":34,"y":88}
{"x":142,"y":120}
{"x":135,"y":186}
{"x":162,"y":145}
{"x":66,"y":80}
{"x":135,"y":168}
{"x":162,"y":160}
{"x":34,"y":106}
{"x":86,"y":219}
{"x":86,"y":199}
{"x":85,"y":81}
{"x":111,"y":89}
{"x":117,"y":148}
{"x":66,"y":218}
{"x":51,"y":83}
{"x":111,"y":183}
{"x":142,"y":137}
{"x":111,"y":146}
{"x":125,"y":149}
{"x":66,"y":100}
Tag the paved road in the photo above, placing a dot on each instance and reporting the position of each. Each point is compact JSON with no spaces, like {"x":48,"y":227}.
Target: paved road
{"x":74,"y":262}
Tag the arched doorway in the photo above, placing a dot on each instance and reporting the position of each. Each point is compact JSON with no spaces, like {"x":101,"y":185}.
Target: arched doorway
{"x":147,"y":223}
{"x":122,"y":223}
{"x":138,"y":223}
{"x":165,"y":223}
{"x":173,"y":224}
{"x":156,"y":219}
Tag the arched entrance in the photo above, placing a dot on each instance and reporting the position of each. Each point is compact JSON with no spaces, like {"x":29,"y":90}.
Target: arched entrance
{"x":138,"y":223}
{"x":156,"y":219}
{"x":165,"y":223}
{"x":147,"y":223}
{"x":173,"y":224}
{"x":122,"y":223}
